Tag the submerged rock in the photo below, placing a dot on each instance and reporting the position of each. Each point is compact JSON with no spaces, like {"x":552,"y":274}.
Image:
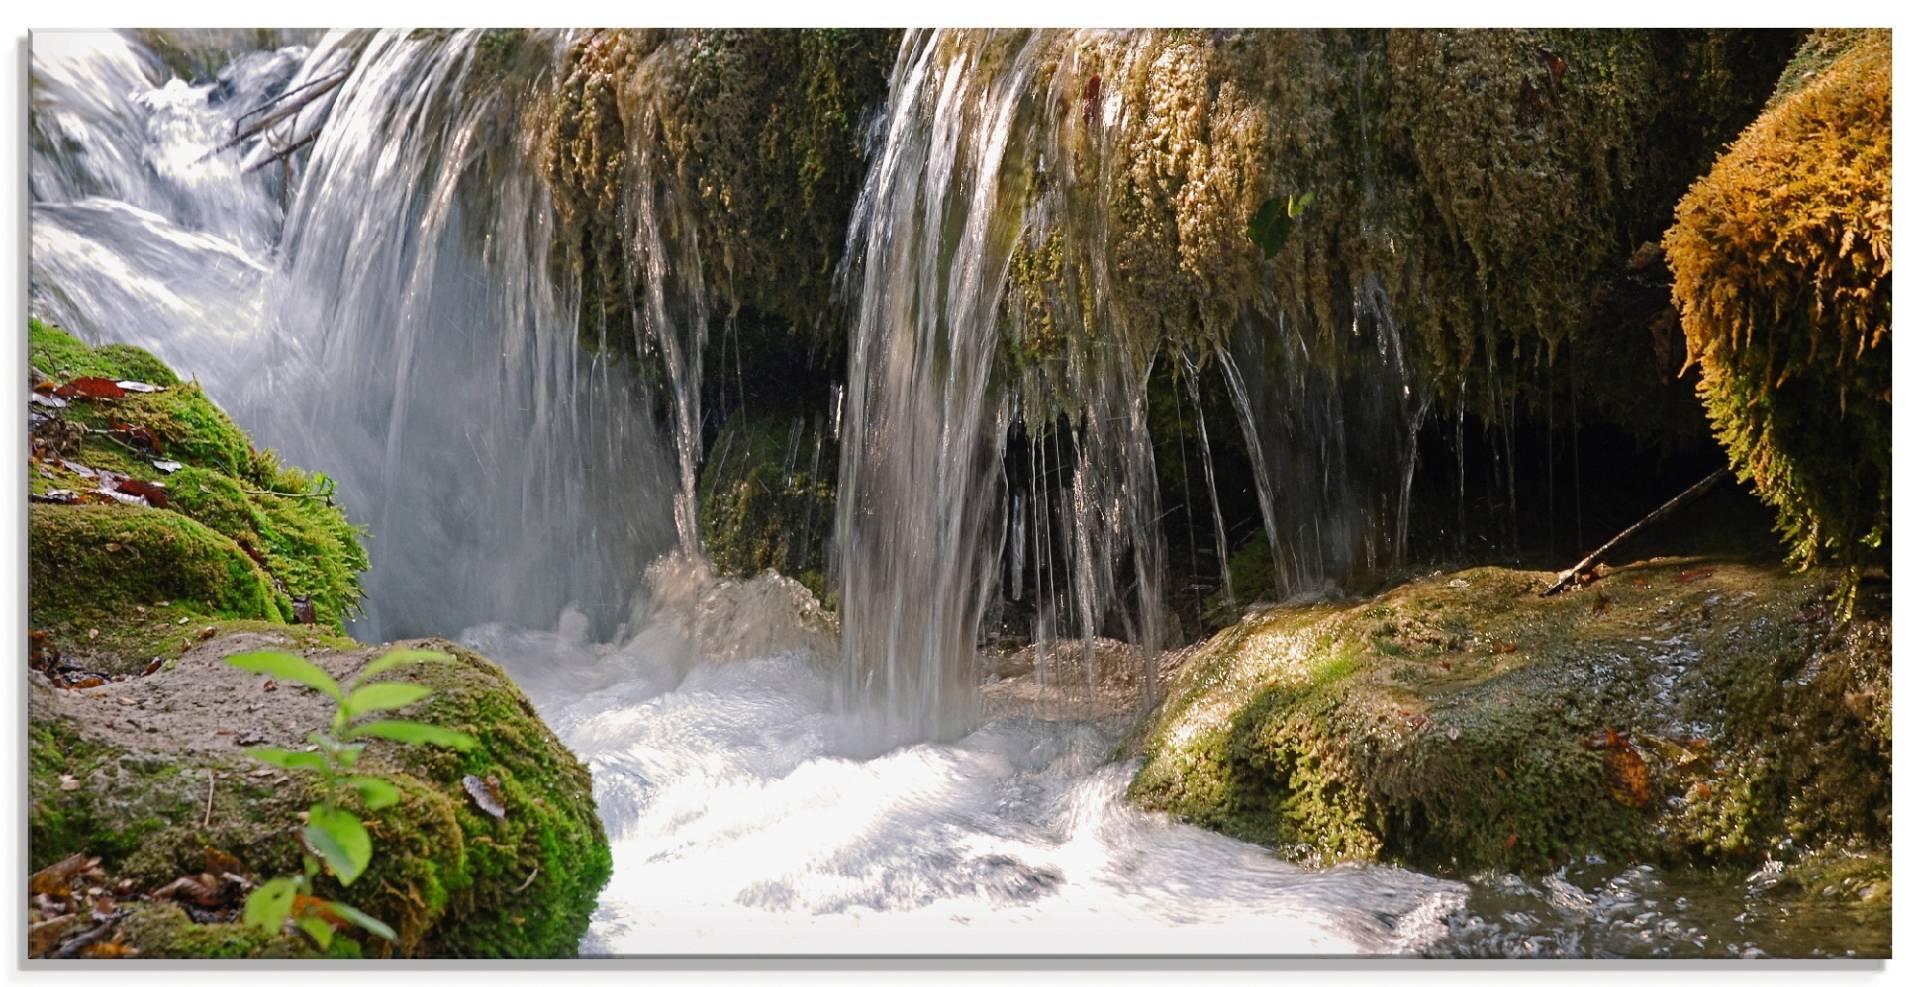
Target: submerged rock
{"x":1674,"y":710}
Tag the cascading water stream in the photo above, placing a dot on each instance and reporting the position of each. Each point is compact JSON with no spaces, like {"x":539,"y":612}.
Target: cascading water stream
{"x":397,"y":330}
{"x":393,"y":318}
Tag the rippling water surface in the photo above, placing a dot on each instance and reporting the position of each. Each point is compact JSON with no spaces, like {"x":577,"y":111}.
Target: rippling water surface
{"x":750,"y":813}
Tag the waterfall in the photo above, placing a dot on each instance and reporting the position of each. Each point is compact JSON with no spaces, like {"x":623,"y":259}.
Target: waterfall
{"x":387,"y":309}
{"x":1002,"y":341}
{"x":957,"y":191}
{"x":396,"y":326}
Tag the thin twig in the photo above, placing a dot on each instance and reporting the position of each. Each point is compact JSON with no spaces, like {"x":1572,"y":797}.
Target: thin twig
{"x":208,"y":821}
{"x":529,"y":881}
{"x":310,"y":83}
{"x":73,"y":947}
{"x":327,"y":494}
{"x":1570,"y":576}
{"x":281,"y":114}
{"x":284,"y":153}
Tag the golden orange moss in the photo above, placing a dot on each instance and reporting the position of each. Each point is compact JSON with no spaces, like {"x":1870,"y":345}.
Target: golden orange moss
{"x":1783,"y":273}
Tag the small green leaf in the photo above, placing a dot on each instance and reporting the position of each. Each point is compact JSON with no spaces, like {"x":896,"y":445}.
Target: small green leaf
{"x":378,"y":793}
{"x":381,"y":696}
{"x":269,"y":905}
{"x":337,"y":836}
{"x":394,"y":659}
{"x":362,"y":919}
{"x":280,"y":757}
{"x":291,"y":668}
{"x":412,"y":732}
{"x":1269,"y":226}
{"x":318,"y":928}
{"x":1273,"y":222}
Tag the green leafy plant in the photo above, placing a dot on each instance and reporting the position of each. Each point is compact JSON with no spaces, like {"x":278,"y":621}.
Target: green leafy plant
{"x":1274,"y":220}
{"x":333,"y":838}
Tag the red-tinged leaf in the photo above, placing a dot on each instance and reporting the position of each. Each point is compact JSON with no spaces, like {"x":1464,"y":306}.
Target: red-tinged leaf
{"x":1624,"y":770}
{"x":309,"y":906}
{"x":138,"y":437}
{"x":95,"y":388}
{"x":1693,"y":575}
{"x":153,"y":493}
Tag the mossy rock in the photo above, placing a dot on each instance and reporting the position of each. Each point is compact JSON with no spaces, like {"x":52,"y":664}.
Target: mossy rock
{"x":148,"y":773}
{"x":767,"y":499}
{"x":1783,"y":273}
{"x":107,"y":568}
{"x":1677,"y":710}
{"x":281,"y":520}
{"x":62,"y":357}
{"x":753,"y":136}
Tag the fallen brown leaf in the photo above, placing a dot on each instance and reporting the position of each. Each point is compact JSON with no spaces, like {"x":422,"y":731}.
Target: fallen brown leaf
{"x":43,"y":936}
{"x":97,"y":388}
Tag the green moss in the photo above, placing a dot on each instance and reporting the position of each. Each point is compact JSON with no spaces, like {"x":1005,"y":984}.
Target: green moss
{"x":62,"y":357}
{"x":766,"y":501}
{"x":1783,"y":273}
{"x":528,"y":883}
{"x":107,"y":567}
{"x":63,"y":822}
{"x":757,"y":139}
{"x":1461,"y":722}
{"x":162,"y":930}
{"x":450,"y":879}
{"x":280,"y":518}
{"x":303,"y":542}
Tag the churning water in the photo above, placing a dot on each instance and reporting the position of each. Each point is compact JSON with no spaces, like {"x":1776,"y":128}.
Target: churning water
{"x":751,"y":811}
{"x":383,"y":310}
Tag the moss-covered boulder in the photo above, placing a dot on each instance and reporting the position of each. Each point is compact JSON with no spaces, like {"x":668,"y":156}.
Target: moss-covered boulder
{"x":150,"y":773}
{"x":161,"y":542}
{"x":1674,"y":710}
{"x":1783,"y":273}
{"x":108,"y":568}
{"x":231,"y":532}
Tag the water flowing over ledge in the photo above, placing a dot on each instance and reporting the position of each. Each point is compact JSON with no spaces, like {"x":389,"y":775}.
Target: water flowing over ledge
{"x":498,"y":285}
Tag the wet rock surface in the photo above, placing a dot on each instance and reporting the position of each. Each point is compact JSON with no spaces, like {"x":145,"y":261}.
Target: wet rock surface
{"x":1676,"y":710}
